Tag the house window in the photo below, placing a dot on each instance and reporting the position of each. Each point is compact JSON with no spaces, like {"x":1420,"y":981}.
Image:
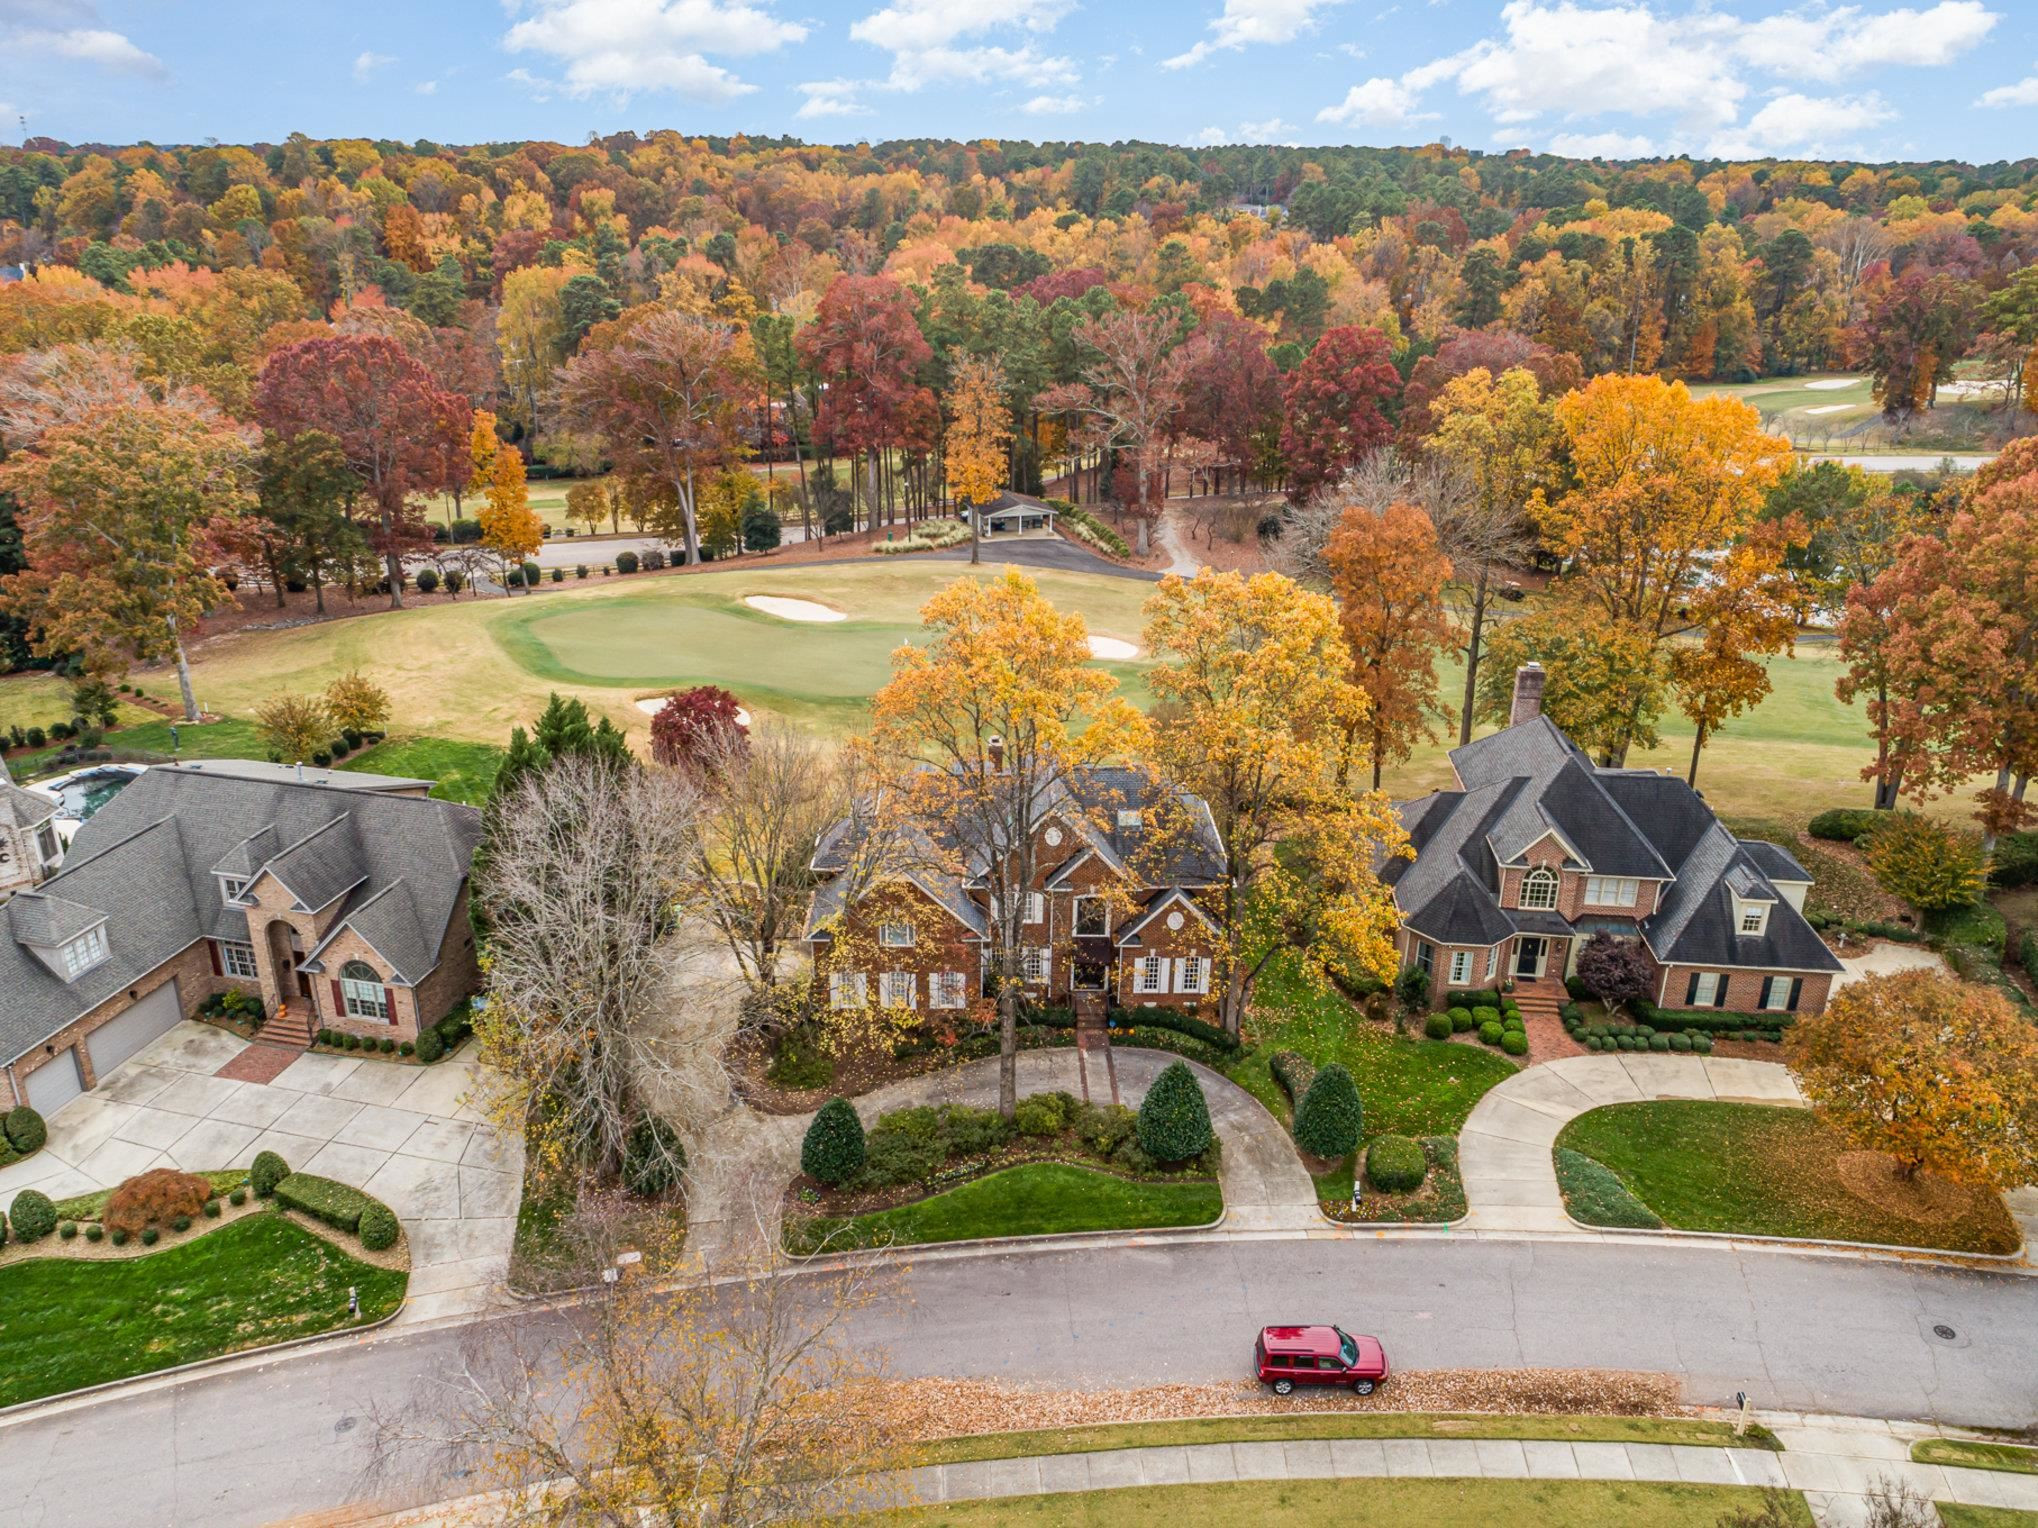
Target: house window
{"x":84,"y":952}
{"x":362,"y":995}
{"x":847,"y":989}
{"x":1036,"y":907}
{"x":1093,"y":917}
{"x":1129,"y":817}
{"x":46,"y":842}
{"x":1612,"y":891}
{"x":238,"y":960}
{"x":1492,"y":962}
{"x":897,"y":989}
{"x":1778,"y":994}
{"x":1705,"y":989}
{"x":1034,"y":965}
{"x":1461,"y":967}
{"x":1425,"y":957}
{"x":1192,"y":975}
{"x":945,"y":990}
{"x":895,"y":936}
{"x":1754,"y":919}
{"x":1539,"y":888}
{"x":1150,"y":974}
{"x":231,"y":888}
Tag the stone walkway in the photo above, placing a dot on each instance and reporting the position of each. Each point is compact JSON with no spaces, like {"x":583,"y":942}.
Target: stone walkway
{"x":732,"y":1214}
{"x":1504,"y":1148}
{"x":1834,"y":1461}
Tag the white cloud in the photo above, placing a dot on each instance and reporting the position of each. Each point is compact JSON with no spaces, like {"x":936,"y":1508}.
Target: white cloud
{"x":426,"y":87}
{"x":1054,"y":105}
{"x":831,"y":98}
{"x":1273,"y":130}
{"x":936,"y":42}
{"x":366,"y":65}
{"x":1801,"y":124}
{"x":70,"y":29}
{"x":1379,"y":102}
{"x":1602,"y":146}
{"x":1831,"y":44}
{"x":1245,"y":22}
{"x":614,"y":47}
{"x":2023,"y":93}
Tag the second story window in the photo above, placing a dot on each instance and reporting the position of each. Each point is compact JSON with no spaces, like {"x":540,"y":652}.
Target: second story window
{"x":83,"y":953}
{"x":1539,"y":888}
{"x":1611,"y":891}
{"x":895,"y":936}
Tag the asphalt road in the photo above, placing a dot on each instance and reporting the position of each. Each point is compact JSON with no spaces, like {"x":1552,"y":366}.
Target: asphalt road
{"x":1829,"y":1334}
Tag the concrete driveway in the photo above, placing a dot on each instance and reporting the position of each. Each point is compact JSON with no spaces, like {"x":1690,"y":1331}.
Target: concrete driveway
{"x":409,"y":1135}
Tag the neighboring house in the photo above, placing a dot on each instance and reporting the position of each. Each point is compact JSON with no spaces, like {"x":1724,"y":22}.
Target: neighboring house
{"x":341,"y":902}
{"x":28,"y":836}
{"x":1011,"y":513}
{"x":1538,"y":849}
{"x":1117,"y":910}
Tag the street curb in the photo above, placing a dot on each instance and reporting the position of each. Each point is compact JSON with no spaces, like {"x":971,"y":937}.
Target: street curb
{"x":1872,"y":1251}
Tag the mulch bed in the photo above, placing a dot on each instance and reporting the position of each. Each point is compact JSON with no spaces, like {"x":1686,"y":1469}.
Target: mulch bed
{"x":749,"y":1058}
{"x":1439,"y":1199}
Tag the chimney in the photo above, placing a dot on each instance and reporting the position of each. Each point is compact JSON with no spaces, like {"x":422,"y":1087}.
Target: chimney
{"x":1528,"y":694}
{"x":995,"y":747}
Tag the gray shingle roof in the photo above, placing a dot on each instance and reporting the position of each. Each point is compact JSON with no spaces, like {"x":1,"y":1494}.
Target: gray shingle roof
{"x":26,"y":809}
{"x":1775,"y":861}
{"x":43,"y":918}
{"x":146,"y":861}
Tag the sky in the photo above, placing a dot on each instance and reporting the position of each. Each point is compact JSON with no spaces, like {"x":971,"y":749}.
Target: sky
{"x":1625,"y":78}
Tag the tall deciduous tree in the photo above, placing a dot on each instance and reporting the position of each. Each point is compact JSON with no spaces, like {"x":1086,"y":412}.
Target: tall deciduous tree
{"x":1336,"y":407}
{"x":1132,"y":370}
{"x":510,"y":528}
{"x":403,"y":436}
{"x":1389,"y":575}
{"x":300,"y":527}
{"x":979,"y":444}
{"x":1606,"y":680}
{"x":666,"y":394}
{"x":1254,"y":706}
{"x":866,"y":345}
{"x":1231,"y":394}
{"x":122,"y":515}
{"x":1750,"y":609}
{"x":1002,"y":696}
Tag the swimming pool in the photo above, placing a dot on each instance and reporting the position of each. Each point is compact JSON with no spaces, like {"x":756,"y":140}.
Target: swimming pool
{"x":83,"y":793}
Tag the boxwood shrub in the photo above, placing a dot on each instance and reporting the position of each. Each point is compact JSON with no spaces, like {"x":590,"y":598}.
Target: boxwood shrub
{"x":1174,"y":1118}
{"x":1461,"y":1019}
{"x":1483,"y":1015}
{"x":1151,"y":1016}
{"x":150,"y":1236}
{"x":34,"y":1215}
{"x":1514,"y":1042}
{"x":1395,"y":1164}
{"x":429,"y":1046}
{"x":339,"y":1205}
{"x":378,"y":1226}
{"x":1438,"y":1026}
{"x":1491,"y":1031}
{"x":25,"y":1130}
{"x":268,"y":1170}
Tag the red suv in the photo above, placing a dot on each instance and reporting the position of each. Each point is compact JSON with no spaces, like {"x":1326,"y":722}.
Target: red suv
{"x":1287,"y":1356}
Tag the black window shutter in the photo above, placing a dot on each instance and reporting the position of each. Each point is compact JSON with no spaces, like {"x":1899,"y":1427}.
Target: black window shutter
{"x":1691,"y":991}
{"x":1796,"y":987}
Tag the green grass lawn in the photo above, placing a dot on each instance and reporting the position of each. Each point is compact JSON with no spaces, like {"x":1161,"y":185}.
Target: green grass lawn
{"x":1408,"y":1085}
{"x":36,"y":700}
{"x":1757,"y":1170}
{"x":1375,"y":1503}
{"x":228,"y":738}
{"x":1338,"y":1424}
{"x":465,"y":772}
{"x":1954,"y":1515}
{"x":1036,"y":1199}
{"x":66,"y":1323}
{"x":1594,"y":1194}
{"x":2010,"y":1458}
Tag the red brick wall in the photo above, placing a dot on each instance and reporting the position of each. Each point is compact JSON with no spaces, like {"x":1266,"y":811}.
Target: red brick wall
{"x":1193,"y":938}
{"x":940,"y":944}
{"x":192,"y":968}
{"x":1571,"y":901}
{"x":1744,"y":989}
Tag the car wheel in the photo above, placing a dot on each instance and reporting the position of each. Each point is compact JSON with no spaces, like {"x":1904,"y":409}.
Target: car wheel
{"x":1362,"y":1387}
{"x":1284,"y":1387}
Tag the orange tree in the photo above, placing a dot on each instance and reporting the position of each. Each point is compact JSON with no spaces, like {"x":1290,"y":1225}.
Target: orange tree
{"x":979,"y":444}
{"x":510,"y":528}
{"x":1935,"y":1072}
{"x":1750,"y":609}
{"x":1001,"y":698}
{"x":1389,"y":574}
{"x":1254,"y":706}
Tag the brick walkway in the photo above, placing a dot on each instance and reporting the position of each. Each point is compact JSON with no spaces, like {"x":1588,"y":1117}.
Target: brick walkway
{"x":260,"y":1063}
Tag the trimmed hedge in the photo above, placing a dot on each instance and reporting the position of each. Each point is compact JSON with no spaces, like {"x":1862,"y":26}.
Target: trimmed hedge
{"x":25,"y":1130}
{"x":1395,"y":1164}
{"x":1846,"y":824}
{"x":378,"y":1226}
{"x":339,"y":1205}
{"x":1709,"y":1021}
{"x":1329,"y":1120}
{"x":34,"y":1215}
{"x":1294,"y":1072}
{"x":1174,"y":1118}
{"x":1148,"y":1016}
{"x":268,"y":1170}
{"x":833,"y":1151}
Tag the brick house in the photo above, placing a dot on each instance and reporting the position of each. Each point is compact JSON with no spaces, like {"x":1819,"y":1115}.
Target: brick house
{"x":1120,"y":908}
{"x":28,"y":836}
{"x":1538,"y":849}
{"x":339,"y":899}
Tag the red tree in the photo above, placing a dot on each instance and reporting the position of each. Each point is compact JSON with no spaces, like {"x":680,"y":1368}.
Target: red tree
{"x":692,"y":723}
{"x":866,"y":345}
{"x":1334,"y":419}
{"x":402,"y":434}
{"x":1499,"y":351}
{"x":1231,"y":391}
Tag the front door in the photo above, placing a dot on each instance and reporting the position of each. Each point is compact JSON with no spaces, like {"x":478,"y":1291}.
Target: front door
{"x":1529,"y":952}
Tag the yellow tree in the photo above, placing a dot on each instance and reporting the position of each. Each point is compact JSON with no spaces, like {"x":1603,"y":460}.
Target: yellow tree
{"x":1750,"y":609}
{"x":978,"y":449}
{"x":1000,"y":696}
{"x":532,"y":335}
{"x":1389,"y":576}
{"x":482,"y":445}
{"x":1662,"y":483}
{"x":510,"y":528}
{"x":1254,"y":703}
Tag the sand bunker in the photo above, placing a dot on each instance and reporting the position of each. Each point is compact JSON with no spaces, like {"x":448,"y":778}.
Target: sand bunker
{"x":791,"y":609}
{"x":1112,"y":648}
{"x":1832,"y":408}
{"x":651,"y":705}
{"x":1834,"y":384}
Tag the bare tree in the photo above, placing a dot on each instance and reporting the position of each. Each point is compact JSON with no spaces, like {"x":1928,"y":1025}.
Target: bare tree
{"x":585,"y":913}
{"x":1894,"y":1503}
{"x":1135,"y":391}
{"x":723,"y":1406}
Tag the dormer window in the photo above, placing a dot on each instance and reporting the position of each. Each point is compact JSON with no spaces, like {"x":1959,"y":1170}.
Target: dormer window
{"x":1129,"y":817}
{"x":1539,"y":889}
{"x":895,"y":936}
{"x":83,"y":953}
{"x":231,"y":889}
{"x":1754,"y":917}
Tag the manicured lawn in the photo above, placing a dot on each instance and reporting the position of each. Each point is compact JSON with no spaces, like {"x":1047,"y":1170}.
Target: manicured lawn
{"x":65,"y":1323}
{"x":1408,"y":1085}
{"x":1036,"y":1199}
{"x":1594,"y":1194}
{"x":1761,"y":1171}
{"x":229,"y":738}
{"x":36,"y":700}
{"x":1331,"y":1424}
{"x":465,"y":772}
{"x":2007,"y":1457}
{"x":1376,"y":1503}
{"x":1953,"y":1515}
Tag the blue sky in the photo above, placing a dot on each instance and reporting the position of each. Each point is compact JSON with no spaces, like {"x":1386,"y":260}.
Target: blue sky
{"x":1931,"y":78}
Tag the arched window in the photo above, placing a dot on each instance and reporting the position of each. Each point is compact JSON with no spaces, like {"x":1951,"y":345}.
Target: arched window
{"x":362,"y":995}
{"x":1539,"y":889}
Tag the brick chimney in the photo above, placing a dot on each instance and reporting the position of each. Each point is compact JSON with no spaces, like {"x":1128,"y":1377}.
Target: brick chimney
{"x":1528,"y":694}
{"x":995,"y":747}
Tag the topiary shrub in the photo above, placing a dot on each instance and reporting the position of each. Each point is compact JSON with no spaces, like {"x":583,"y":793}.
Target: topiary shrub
{"x":654,"y":1157}
{"x":1491,"y":1031}
{"x":378,"y":1227}
{"x":1438,"y":1026}
{"x":1395,"y":1164}
{"x":1514,"y":1021}
{"x":150,"y":1236}
{"x":25,"y":1130}
{"x":406,"y":1048}
{"x":353,"y":1042}
{"x":94,"y":1231}
{"x":118,"y":1238}
{"x":268,"y":1170}
{"x":1659,"y":1042}
{"x":33,"y":1215}
{"x":1482,"y":1016}
{"x":212,"y":1209}
{"x":1514,"y":1042}
{"x":430,"y":1047}
{"x":1680,"y":1042}
{"x":626,"y":562}
{"x":834,"y":1149}
{"x":180,"y":1223}
{"x":158,"y":1195}
{"x":1702,"y":1044}
{"x":427,"y":580}
{"x":1327,"y":1124}
{"x":67,"y":1230}
{"x":1174,"y":1118}
{"x":1461,"y":1020}
{"x":240,"y":1195}
{"x":1042,"y":1114}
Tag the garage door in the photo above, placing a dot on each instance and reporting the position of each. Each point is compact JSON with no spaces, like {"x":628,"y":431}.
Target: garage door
{"x":114,"y":1041}
{"x":54,"y":1084}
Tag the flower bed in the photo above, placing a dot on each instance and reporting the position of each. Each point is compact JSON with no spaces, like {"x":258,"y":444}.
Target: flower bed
{"x":434,"y":1043}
